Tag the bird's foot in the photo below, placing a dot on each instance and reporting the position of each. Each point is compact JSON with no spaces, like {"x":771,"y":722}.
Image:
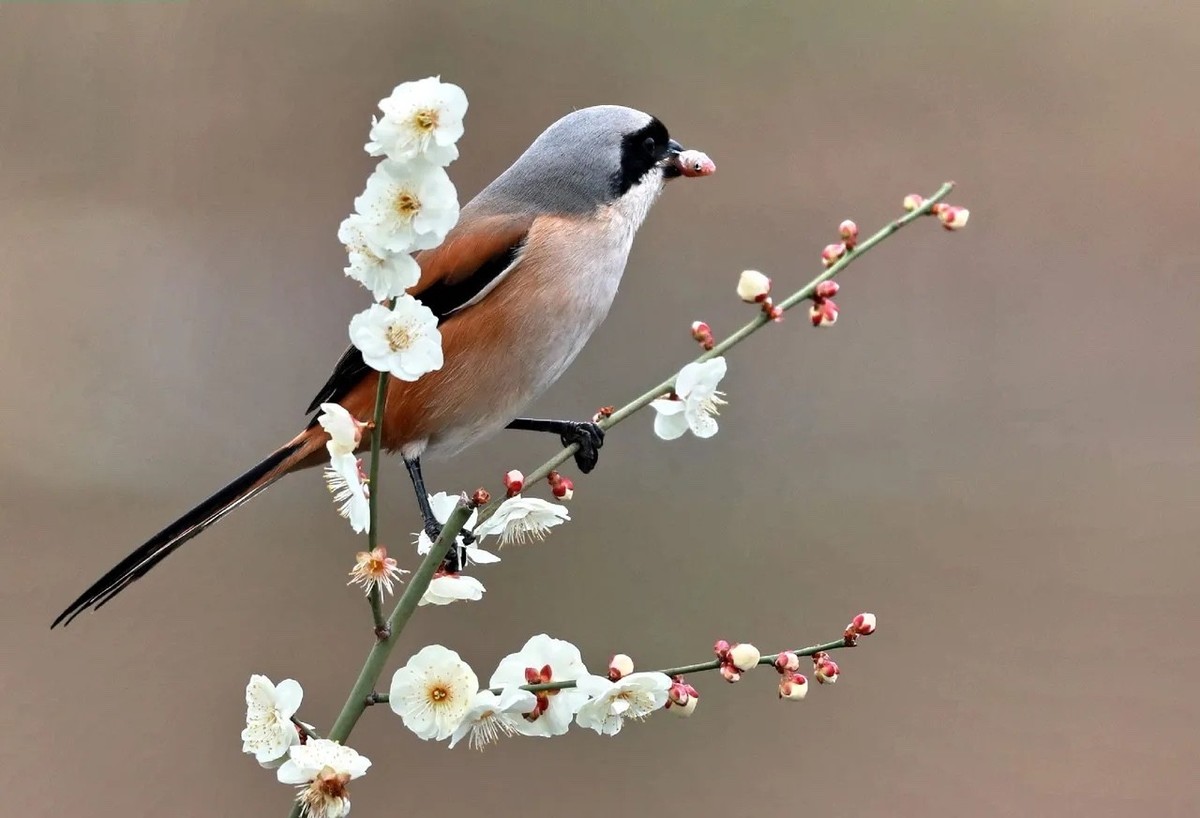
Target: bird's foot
{"x":456,"y":558}
{"x":589,"y":436}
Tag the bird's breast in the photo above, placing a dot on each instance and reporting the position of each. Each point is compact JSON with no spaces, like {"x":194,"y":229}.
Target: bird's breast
{"x":506,"y":350}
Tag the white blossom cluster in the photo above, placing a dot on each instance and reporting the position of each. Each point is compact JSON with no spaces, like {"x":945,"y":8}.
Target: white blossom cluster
{"x":409,"y":205}
{"x":438,"y":697}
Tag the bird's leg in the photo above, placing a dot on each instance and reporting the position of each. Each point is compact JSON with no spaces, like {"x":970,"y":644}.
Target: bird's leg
{"x":455,"y":557}
{"x":586,"y":434}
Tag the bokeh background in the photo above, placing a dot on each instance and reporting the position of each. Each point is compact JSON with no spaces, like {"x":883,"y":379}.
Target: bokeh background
{"x":995,"y":449}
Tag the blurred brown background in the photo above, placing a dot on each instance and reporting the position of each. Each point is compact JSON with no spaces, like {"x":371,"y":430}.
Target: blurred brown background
{"x":996,"y":448}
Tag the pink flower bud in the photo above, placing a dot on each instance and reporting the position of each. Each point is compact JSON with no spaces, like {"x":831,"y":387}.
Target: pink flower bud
{"x":772,"y":311}
{"x":694,"y":163}
{"x":787,"y":662}
{"x":753,"y":286}
{"x":619,"y":667}
{"x":561,"y":487}
{"x":848,"y":230}
{"x":913,"y":201}
{"x":603,"y":413}
{"x":721,"y":649}
{"x":702,"y":333}
{"x":514,"y":481}
{"x":832,"y":253}
{"x":827,"y":289}
{"x":481,"y":497}
{"x":793,"y":687}
{"x":823,"y":313}
{"x":681,"y":694}
{"x":864,"y":624}
{"x":744,"y":656}
{"x":953,"y":218}
{"x":825,"y":669}
{"x":686,"y":709}
{"x":730,"y":674}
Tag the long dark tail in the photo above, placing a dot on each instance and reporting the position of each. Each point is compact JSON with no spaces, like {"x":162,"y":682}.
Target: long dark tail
{"x":160,"y":546}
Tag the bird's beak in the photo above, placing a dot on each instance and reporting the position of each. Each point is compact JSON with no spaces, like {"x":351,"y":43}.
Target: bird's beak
{"x":682,"y":162}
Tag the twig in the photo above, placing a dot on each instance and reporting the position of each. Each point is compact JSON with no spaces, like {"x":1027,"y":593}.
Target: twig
{"x":375,"y":597}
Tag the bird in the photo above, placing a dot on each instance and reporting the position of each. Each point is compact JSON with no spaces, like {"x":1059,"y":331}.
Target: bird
{"x":521,"y":282}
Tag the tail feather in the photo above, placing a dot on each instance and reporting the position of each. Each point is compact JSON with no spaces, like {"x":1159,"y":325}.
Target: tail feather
{"x":162,"y":544}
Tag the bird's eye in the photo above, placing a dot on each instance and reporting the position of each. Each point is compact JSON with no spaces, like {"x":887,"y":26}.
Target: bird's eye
{"x":650,"y":146}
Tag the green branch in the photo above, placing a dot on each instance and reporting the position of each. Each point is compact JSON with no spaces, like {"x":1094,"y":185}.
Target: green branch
{"x":375,"y":597}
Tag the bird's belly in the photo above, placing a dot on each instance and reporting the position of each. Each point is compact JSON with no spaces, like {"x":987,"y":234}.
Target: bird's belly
{"x":548,"y":328}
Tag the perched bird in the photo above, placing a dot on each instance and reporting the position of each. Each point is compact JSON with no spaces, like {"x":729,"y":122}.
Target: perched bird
{"x":519,"y":285}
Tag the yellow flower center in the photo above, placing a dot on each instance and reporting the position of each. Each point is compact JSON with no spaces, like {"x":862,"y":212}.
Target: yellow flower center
{"x":406,"y":205}
{"x":426,"y":119}
{"x":398,"y":337}
{"x":439,"y":694}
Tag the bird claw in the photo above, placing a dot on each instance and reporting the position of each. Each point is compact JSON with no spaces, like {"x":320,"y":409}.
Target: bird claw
{"x":456,"y":558}
{"x":589,"y":437}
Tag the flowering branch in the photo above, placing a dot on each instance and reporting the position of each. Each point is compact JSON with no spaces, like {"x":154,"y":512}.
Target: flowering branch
{"x":362,"y":693}
{"x":373,"y":667}
{"x":699,"y":667}
{"x":926,"y":207}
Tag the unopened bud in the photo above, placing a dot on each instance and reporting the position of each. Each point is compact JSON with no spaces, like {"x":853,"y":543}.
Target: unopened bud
{"x":848,"y":230}
{"x":827,"y":289}
{"x":730,"y":673}
{"x":913,"y":201}
{"x":694,"y":163}
{"x":702,"y":333}
{"x":863,"y":624}
{"x":832,"y":253}
{"x":823,"y":313}
{"x":753,"y":286}
{"x":953,"y":218}
{"x":603,"y":413}
{"x":772,"y":311}
{"x":682,"y":695}
{"x":514,"y":481}
{"x":481,"y":497}
{"x":619,"y":667}
{"x":561,"y":487}
{"x":825,"y":669}
{"x":721,"y":649}
{"x":787,"y":662}
{"x":684,"y":710}
{"x":793,"y":687}
{"x":744,"y":656}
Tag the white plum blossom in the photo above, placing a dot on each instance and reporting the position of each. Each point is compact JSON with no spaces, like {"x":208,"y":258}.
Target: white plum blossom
{"x":403,"y":341}
{"x":385,"y":273}
{"x":449,"y":588}
{"x":545,"y":659}
{"x":344,"y":430}
{"x":633,"y":697}
{"x":408,"y":205}
{"x":347,"y":484}
{"x":521,"y":519}
{"x":421,"y":120}
{"x":322,"y":769}
{"x":433,"y":692}
{"x":269,"y":731}
{"x":492,"y":716}
{"x":443,"y":505}
{"x":696,"y":402}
